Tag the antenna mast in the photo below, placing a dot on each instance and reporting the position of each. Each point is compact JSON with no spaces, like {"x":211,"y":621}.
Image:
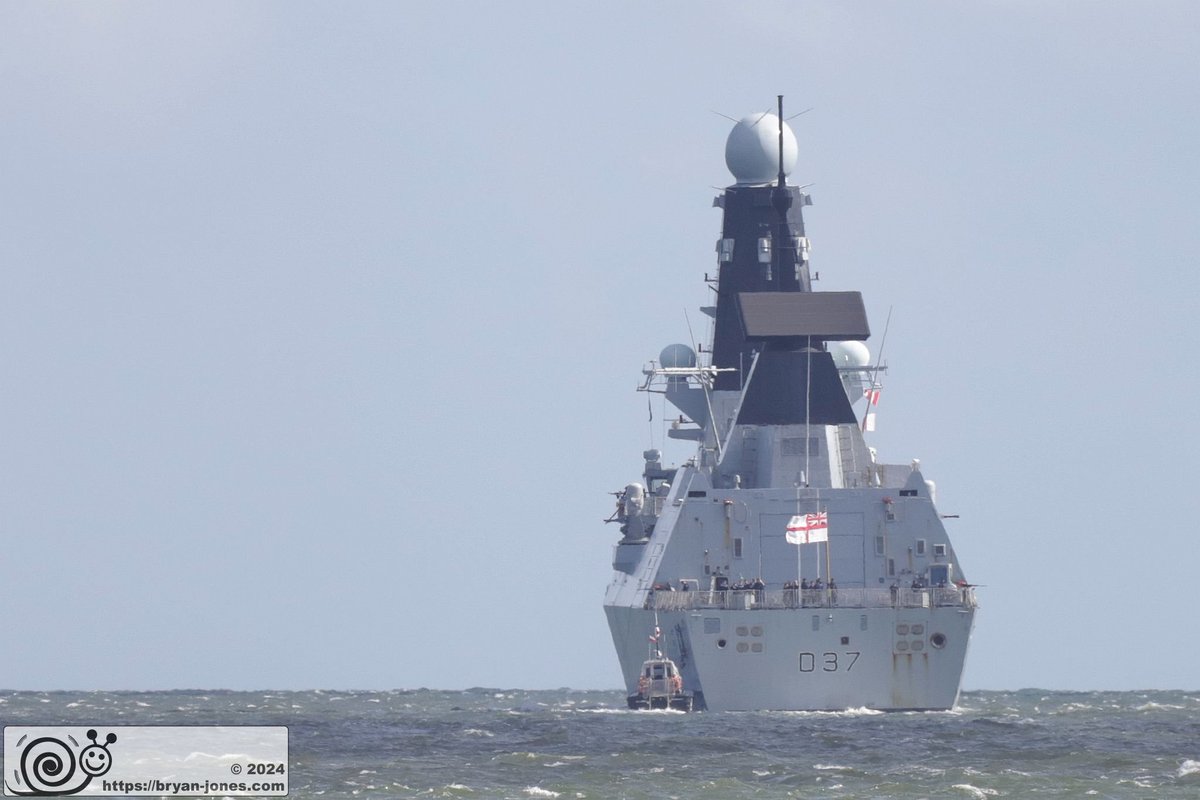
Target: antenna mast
{"x":784,"y":258}
{"x":782,"y":179}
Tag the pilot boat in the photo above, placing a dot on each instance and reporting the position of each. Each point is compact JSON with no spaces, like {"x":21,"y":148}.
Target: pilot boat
{"x":660,"y":686}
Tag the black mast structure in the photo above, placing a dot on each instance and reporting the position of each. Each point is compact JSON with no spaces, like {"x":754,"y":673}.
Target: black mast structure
{"x":766,"y":309}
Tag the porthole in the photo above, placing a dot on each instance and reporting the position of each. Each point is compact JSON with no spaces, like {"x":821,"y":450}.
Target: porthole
{"x":741,"y":630}
{"x":902,"y":630}
{"x":756,"y":630}
{"x":918,"y":644}
{"x":720,"y":644}
{"x":742,"y":647}
{"x":901,"y":646}
{"x":917,"y":630}
{"x":756,"y":647}
{"x":938,"y":640}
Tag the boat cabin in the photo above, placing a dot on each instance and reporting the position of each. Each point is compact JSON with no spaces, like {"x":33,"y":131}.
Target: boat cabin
{"x":660,"y":685}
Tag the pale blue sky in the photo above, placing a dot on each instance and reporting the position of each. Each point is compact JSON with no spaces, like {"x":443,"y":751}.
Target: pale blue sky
{"x":320,"y":323}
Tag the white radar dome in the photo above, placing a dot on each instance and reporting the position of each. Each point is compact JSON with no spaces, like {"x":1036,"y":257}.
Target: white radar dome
{"x":849,"y":353}
{"x":677,"y":356}
{"x":752,"y":149}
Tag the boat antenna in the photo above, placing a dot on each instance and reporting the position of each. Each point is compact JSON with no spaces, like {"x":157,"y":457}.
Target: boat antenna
{"x":654,"y":648}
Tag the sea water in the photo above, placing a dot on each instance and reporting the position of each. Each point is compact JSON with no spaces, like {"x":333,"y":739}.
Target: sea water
{"x":501,"y":743}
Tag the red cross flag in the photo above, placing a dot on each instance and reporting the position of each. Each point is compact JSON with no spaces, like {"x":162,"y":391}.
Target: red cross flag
{"x":808,"y":528}
{"x":868,"y":423}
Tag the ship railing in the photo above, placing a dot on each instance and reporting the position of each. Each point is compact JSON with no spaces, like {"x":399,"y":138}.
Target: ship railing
{"x":754,"y":599}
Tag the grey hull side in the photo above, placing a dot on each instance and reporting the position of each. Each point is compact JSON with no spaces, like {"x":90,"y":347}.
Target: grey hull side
{"x":808,"y":659}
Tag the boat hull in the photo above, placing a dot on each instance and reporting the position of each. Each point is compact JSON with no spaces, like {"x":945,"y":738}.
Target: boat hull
{"x":637,"y":702}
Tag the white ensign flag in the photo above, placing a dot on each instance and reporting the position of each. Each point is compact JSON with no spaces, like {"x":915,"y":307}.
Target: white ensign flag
{"x":808,"y":528}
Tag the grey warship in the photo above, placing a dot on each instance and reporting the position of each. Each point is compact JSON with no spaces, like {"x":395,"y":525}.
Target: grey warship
{"x":783,"y":566}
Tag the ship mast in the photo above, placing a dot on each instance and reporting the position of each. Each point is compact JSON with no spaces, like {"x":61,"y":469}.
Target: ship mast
{"x":782,"y":242}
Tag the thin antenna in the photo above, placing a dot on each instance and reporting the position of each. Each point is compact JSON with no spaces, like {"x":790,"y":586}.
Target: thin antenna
{"x":781,"y":199}
{"x":737,"y":412}
{"x":878,"y":361}
{"x":726,"y":116}
{"x":798,"y":113}
{"x":807,"y":417}
{"x":779,"y":99}
{"x":712,"y":419}
{"x":691,"y":336}
{"x":761,"y":117}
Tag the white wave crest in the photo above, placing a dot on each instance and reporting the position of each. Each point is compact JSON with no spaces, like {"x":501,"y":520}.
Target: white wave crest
{"x":1072,"y":707}
{"x":564,"y":761}
{"x":862,"y":711}
{"x":1157,"y":707}
{"x":975,"y":791}
{"x":1189,"y":767}
{"x":537,"y":791}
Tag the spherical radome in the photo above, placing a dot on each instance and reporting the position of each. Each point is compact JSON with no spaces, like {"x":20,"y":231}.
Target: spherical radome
{"x":849,"y":353}
{"x":677,"y":356}
{"x":752,"y":149}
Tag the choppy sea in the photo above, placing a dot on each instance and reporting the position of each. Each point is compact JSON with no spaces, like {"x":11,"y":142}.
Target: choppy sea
{"x":499,"y":743}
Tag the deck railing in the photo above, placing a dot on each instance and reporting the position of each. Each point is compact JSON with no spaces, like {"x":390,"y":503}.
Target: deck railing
{"x":749,"y":599}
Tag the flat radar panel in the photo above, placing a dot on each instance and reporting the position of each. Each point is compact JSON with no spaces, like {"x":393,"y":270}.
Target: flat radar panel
{"x":828,"y":316}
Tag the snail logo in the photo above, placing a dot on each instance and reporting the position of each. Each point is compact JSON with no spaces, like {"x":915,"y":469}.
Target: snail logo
{"x":50,"y":768}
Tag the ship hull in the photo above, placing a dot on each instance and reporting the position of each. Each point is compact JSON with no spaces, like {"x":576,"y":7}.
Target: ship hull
{"x":805,"y":659}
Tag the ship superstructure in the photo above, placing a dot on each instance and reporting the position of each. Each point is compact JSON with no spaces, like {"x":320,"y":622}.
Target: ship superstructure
{"x":877,"y":615}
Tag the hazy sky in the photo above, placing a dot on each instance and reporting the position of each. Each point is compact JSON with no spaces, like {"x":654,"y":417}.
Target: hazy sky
{"x":320,"y":323}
